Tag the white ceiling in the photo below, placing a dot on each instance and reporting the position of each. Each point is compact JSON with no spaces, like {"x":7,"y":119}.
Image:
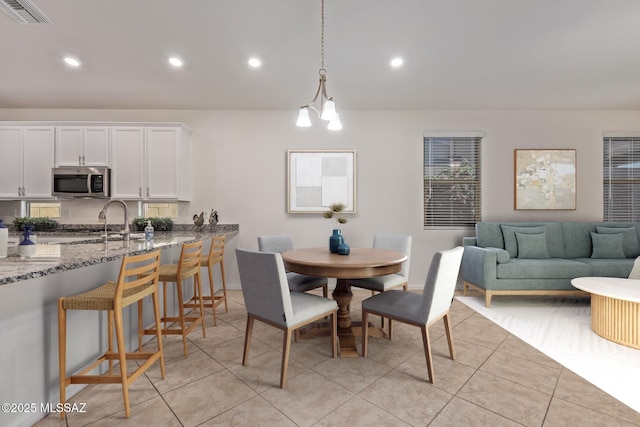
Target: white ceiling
{"x":459,"y":54}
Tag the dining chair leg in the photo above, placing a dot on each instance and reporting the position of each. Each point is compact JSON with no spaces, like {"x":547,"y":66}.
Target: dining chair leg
{"x":286,"y":347}
{"x":247,"y":340}
{"x":447,"y":328}
{"x":334,"y":334}
{"x":365,"y":332}
{"x":390,"y":328}
{"x":62,"y":351}
{"x":325,"y":291}
{"x":427,"y":351}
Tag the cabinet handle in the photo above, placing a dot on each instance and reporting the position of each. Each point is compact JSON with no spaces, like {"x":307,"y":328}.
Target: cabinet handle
{"x":83,"y":161}
{"x":140,"y":191}
{"x":19,"y":191}
{"x":80,"y":160}
{"x":147,"y":191}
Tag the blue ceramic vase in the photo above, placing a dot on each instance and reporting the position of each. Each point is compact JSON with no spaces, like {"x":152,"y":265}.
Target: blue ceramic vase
{"x":343,"y":249}
{"x":335,"y":240}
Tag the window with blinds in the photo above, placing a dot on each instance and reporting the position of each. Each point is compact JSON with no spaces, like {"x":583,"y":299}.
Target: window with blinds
{"x":621,"y":175}
{"x":452,"y":181}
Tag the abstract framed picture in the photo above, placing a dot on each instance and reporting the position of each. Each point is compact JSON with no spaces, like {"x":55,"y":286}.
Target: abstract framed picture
{"x":316,"y":179}
{"x":545,"y":179}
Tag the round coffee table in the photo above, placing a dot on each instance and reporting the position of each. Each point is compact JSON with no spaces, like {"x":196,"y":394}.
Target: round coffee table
{"x":615,"y":308}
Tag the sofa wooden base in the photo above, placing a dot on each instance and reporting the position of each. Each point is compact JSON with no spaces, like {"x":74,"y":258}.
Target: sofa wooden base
{"x":489,"y":293}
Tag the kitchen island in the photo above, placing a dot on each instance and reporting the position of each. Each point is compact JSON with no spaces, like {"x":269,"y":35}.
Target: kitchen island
{"x":29,"y":292}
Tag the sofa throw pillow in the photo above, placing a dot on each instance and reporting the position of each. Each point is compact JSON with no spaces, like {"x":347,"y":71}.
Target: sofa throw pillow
{"x":630,"y":243}
{"x":607,"y":245}
{"x":510,"y":242}
{"x":532,"y":246}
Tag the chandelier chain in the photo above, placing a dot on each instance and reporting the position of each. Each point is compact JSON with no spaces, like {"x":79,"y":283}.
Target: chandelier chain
{"x":322,"y":38}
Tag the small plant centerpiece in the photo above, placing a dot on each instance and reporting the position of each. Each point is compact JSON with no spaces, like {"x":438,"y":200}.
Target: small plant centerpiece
{"x":37,"y":223}
{"x":158,"y":223}
{"x":336,"y":241}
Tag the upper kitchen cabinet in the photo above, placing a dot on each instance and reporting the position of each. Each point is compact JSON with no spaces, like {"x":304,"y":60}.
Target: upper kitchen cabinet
{"x":151,"y":163}
{"x":82,"y":146}
{"x":26,"y":159}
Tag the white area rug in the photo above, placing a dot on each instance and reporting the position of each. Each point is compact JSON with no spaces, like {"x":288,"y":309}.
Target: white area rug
{"x":561,"y":329}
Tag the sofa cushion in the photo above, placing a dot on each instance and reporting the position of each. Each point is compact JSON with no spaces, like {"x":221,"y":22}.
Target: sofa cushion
{"x":609,"y":267}
{"x":509,"y":235}
{"x":577,"y":239}
{"x":630,"y":244}
{"x":533,"y":246}
{"x":607,"y":245}
{"x":551,"y":268}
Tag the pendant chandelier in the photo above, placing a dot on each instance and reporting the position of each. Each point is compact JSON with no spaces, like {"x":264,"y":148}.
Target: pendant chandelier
{"x":326,"y":109}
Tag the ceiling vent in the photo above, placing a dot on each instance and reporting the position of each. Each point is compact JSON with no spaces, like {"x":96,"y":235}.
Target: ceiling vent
{"x":24,"y":12}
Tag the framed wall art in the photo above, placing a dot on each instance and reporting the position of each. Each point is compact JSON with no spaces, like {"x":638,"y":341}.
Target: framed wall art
{"x":545,"y":179}
{"x":316,"y":179}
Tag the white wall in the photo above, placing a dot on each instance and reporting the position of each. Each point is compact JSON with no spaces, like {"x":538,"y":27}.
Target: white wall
{"x":239,"y":167}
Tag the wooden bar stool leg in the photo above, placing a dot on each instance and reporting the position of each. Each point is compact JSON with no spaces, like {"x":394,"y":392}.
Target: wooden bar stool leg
{"x":213,"y":293}
{"x":197,"y":283}
{"x":62,"y":351}
{"x":181,"y":315}
{"x":140,"y":326}
{"x":110,"y":324}
{"x":122,"y":351}
{"x":224,"y":286}
{"x":156,"y":313}
{"x":165,"y":313}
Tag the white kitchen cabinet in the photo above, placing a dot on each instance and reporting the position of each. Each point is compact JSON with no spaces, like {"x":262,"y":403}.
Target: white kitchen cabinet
{"x":151,"y":163}
{"x":82,"y":146}
{"x":26,"y":159}
{"x":127,"y":163}
{"x":168,"y":158}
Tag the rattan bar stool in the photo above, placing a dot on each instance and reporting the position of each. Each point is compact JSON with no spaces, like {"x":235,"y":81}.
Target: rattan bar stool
{"x":138,"y":278}
{"x":188,"y":266}
{"x":216,"y":256}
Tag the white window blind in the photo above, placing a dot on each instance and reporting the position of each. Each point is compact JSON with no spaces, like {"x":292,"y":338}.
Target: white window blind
{"x":452,"y":181}
{"x":621,"y":174}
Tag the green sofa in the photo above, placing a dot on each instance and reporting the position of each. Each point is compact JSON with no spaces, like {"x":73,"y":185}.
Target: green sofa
{"x":541,"y":258}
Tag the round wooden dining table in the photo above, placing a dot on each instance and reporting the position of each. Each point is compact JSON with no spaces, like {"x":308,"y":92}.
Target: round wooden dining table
{"x":360,"y":263}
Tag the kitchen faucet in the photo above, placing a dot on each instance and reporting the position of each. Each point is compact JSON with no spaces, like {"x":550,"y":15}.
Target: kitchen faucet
{"x":103,"y":215}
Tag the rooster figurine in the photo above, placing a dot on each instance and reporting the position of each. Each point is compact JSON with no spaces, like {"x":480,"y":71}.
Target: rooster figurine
{"x":213,"y":218}
{"x":198,"y":220}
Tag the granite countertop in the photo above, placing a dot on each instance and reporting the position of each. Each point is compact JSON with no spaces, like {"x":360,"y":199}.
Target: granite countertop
{"x":53,"y":257}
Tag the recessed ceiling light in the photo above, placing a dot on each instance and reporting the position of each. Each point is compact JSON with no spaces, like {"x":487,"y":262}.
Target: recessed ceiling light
{"x":396,"y":62}
{"x":71,"y":61}
{"x":176,"y":62}
{"x":254,"y":62}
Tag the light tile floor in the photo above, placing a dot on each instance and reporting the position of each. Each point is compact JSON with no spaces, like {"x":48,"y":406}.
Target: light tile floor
{"x":496,"y":380}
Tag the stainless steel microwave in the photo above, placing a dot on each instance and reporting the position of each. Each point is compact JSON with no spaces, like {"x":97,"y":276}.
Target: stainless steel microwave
{"x":81,"y":181}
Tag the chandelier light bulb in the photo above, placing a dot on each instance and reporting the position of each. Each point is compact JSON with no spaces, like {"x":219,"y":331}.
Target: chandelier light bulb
{"x":329,"y":111}
{"x":303,"y":118}
{"x":335,"y":124}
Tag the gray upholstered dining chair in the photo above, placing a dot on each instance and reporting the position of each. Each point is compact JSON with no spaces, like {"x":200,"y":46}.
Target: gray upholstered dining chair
{"x":420,"y":310}
{"x":267,"y":298}
{"x":297,"y":282}
{"x":391,"y":242}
